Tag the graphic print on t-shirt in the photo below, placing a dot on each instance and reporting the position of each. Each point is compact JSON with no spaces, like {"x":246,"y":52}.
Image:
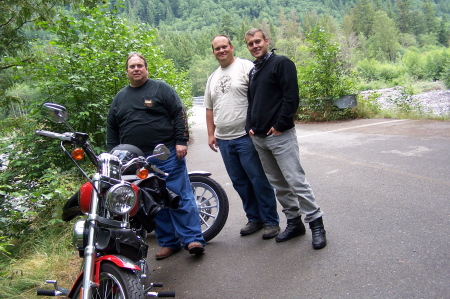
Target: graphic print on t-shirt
{"x":223,"y":85}
{"x":148,"y":103}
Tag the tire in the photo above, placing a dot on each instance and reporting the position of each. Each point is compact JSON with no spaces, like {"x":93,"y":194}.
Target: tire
{"x":212,"y":204}
{"x":115,"y":283}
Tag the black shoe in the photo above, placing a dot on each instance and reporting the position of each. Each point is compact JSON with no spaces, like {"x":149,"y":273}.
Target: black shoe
{"x":294,"y":228}
{"x":319,"y":239}
{"x":270,"y":231}
{"x":251,"y":227}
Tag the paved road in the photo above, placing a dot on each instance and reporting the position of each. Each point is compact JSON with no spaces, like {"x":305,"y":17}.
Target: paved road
{"x":384,"y":186}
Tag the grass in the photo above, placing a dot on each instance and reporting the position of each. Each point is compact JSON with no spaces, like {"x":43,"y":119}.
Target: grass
{"x":32,"y":262}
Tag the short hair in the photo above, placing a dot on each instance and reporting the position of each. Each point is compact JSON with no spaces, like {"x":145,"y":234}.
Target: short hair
{"x":137,"y":55}
{"x":229,"y":40}
{"x":253,"y":31}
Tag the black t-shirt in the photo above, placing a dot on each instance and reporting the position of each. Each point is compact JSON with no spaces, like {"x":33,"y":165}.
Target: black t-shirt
{"x":147,"y":115}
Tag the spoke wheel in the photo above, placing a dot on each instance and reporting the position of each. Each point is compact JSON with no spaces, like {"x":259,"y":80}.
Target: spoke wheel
{"x":212,"y":205}
{"x":116,"y":283}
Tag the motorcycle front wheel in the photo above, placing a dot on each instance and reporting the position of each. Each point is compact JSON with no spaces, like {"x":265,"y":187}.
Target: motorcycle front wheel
{"x":115,"y":283}
{"x":212,"y":205}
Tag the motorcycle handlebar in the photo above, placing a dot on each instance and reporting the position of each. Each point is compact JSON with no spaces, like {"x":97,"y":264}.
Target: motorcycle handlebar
{"x":52,"y":293}
{"x":157,"y":170}
{"x":161,"y":294}
{"x":63,"y":137}
{"x":143,"y":160}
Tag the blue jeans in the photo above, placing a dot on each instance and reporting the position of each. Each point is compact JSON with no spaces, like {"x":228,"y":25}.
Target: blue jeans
{"x":281,"y":161}
{"x":177,"y":228}
{"x":247,"y":175}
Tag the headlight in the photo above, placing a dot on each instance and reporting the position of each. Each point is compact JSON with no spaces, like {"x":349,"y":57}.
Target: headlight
{"x":78,"y":234}
{"x":121,"y":198}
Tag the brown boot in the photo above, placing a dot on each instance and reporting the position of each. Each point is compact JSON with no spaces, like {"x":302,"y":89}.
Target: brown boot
{"x":165,"y":252}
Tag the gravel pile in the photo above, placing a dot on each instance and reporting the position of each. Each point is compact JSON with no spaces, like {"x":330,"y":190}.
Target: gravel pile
{"x":432,"y":102}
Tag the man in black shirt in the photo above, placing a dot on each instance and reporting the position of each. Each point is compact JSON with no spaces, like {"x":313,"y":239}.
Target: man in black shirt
{"x":273,"y":98}
{"x":146,"y":113}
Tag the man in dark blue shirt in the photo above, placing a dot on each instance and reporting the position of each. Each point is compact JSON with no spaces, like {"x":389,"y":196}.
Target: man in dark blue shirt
{"x":273,"y":98}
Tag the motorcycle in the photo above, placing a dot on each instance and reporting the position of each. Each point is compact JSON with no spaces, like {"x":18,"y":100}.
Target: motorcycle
{"x":119,"y":214}
{"x":211,"y":199}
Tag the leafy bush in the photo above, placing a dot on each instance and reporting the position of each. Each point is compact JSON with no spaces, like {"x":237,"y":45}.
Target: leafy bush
{"x":368,"y":106}
{"x":446,"y":75}
{"x":323,"y":78}
{"x":435,"y":63}
{"x":414,"y":64}
{"x":373,"y":70}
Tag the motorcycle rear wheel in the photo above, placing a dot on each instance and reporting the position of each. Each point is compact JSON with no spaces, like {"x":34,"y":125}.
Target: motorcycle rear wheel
{"x":212,"y":205}
{"x":115,"y":283}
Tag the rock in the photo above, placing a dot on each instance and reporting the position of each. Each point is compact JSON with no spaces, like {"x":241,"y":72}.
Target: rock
{"x":432,"y":102}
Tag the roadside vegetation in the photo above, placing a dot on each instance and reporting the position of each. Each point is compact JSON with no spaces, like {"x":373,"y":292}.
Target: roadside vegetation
{"x":74,"y":55}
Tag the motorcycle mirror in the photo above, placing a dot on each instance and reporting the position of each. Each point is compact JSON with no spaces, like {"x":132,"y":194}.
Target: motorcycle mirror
{"x":161,"y":152}
{"x":57,"y":112}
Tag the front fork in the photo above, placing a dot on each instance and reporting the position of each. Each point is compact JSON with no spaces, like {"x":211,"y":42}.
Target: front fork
{"x":89,"y":251}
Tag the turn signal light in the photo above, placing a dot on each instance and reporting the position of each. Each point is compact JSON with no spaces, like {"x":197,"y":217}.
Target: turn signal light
{"x":78,"y":154}
{"x":142,"y":173}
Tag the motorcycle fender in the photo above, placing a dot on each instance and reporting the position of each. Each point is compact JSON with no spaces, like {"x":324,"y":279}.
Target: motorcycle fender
{"x":200,"y":173}
{"x":119,"y":260}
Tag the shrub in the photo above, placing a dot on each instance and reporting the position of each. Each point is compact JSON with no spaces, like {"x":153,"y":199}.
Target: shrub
{"x":323,"y":78}
{"x":446,"y":75}
{"x":368,"y":106}
{"x":435,"y":63}
{"x":373,"y":70}
{"x":414,"y":64}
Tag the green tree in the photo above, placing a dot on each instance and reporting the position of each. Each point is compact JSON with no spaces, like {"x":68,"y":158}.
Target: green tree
{"x":227,"y":26}
{"x":323,"y":77}
{"x":403,"y":16}
{"x":82,"y":69}
{"x":363,"y":17}
{"x":444,"y":32}
{"x":429,"y":13}
{"x":15,"y":16}
{"x":385,"y":37}
{"x":179,"y":47}
{"x":201,"y":68}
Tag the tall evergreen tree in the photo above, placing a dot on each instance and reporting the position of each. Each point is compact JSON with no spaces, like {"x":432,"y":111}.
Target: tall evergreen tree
{"x":444,"y":32}
{"x":363,"y":17}
{"x":385,"y":37}
{"x":429,"y":13}
{"x":404,"y":18}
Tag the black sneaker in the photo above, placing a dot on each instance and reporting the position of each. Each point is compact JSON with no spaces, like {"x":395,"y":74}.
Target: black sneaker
{"x":251,"y":228}
{"x":270,"y":231}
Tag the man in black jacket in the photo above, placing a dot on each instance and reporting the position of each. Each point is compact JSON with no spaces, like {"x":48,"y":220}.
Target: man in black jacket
{"x":146,"y":113}
{"x":273,"y":97}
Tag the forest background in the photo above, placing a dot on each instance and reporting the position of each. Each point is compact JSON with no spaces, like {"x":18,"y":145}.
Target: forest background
{"x":73,"y":53}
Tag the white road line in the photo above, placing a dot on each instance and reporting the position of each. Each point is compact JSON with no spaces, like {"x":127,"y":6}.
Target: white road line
{"x":350,"y":128}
